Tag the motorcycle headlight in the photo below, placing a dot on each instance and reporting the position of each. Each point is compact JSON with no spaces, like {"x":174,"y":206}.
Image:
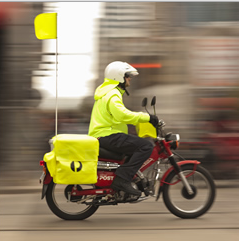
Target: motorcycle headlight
{"x":173,"y":139}
{"x":174,"y":145}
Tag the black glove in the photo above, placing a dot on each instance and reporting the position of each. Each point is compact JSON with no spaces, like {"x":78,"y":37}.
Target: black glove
{"x":154,"y":120}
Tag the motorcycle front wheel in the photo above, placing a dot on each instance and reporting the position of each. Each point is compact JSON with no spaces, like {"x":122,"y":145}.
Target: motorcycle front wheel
{"x":177,"y":199}
{"x":75,"y":209}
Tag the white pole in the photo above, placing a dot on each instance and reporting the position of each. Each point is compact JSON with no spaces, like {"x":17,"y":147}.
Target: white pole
{"x":56,"y":86}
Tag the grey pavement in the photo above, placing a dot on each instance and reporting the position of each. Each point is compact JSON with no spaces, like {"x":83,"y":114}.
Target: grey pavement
{"x":26,"y":217}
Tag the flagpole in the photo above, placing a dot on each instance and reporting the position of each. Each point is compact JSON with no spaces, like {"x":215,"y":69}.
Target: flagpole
{"x":56,"y":112}
{"x":46,"y":28}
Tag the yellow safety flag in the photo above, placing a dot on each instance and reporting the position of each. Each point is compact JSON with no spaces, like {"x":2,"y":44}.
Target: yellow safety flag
{"x":46,"y":26}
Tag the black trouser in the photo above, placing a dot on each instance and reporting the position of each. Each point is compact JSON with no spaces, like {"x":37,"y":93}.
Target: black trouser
{"x":138,"y":148}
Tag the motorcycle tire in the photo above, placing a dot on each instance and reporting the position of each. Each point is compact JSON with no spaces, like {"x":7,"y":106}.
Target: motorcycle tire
{"x":68,"y":210}
{"x":184,"y":205}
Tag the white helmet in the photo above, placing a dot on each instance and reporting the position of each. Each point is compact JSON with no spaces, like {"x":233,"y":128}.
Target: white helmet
{"x":117,"y":70}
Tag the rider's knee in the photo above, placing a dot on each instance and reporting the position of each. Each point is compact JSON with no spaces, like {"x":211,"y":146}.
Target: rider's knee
{"x":148,"y":146}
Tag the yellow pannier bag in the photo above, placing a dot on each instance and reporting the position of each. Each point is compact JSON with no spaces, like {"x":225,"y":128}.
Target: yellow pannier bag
{"x":73,"y":159}
{"x":146,"y":130}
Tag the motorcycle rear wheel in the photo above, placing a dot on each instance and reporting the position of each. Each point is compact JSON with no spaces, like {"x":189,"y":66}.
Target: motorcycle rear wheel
{"x":183,"y":205}
{"x":68,"y":210}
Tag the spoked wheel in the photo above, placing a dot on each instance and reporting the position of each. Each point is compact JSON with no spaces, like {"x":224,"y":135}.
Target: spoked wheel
{"x":184,"y":205}
{"x":75,"y":209}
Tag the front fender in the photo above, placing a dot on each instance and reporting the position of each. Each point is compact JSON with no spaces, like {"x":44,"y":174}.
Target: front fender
{"x":171,"y":169}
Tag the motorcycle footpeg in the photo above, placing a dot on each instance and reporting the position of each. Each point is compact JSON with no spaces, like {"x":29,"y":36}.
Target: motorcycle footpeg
{"x":132,"y":198}
{"x":122,"y":196}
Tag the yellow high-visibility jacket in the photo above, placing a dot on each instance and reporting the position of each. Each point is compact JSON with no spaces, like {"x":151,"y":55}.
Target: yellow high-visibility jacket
{"x":109,"y":115}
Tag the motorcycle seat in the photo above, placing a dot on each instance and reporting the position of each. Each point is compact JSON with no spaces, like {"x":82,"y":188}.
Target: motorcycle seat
{"x":106,"y":154}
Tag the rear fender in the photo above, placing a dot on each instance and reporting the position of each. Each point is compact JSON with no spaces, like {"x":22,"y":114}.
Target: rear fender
{"x":171,"y":169}
{"x":47,"y":180}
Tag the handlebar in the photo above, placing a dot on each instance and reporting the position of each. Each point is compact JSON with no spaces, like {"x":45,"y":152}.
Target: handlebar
{"x":161,"y":123}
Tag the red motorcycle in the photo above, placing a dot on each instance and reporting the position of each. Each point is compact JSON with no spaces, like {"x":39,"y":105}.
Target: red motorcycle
{"x":187,"y":188}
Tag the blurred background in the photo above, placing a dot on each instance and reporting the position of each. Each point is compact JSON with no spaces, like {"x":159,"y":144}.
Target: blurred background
{"x":187,"y":54}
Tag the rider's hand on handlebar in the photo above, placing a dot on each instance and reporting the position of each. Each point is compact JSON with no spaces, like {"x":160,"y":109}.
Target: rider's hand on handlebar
{"x":154,"y":120}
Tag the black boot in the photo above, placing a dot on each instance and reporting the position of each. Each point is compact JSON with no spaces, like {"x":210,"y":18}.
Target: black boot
{"x":120,"y":184}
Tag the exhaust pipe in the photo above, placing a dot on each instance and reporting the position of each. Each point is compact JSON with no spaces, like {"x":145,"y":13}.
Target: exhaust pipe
{"x":107,"y":165}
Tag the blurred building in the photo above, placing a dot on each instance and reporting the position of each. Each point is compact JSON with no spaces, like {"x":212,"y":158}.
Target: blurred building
{"x":187,"y":54}
{"x":19,"y":55}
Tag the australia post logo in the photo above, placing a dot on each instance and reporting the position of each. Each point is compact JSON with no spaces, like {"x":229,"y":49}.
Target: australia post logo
{"x":106,"y":178}
{"x":76,"y":166}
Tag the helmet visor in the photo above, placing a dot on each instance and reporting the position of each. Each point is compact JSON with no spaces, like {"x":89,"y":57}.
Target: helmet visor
{"x":131,"y":74}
